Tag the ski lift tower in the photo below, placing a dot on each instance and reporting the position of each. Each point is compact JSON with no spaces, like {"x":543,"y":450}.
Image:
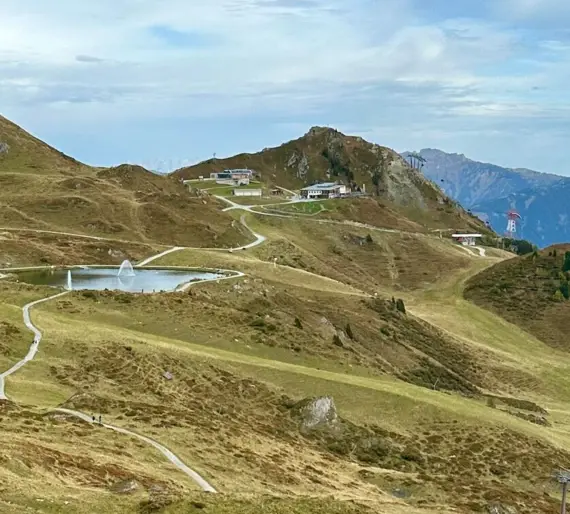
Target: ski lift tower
{"x":513,"y":217}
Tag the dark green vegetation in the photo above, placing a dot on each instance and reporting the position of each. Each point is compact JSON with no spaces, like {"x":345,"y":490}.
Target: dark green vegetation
{"x":531,"y":292}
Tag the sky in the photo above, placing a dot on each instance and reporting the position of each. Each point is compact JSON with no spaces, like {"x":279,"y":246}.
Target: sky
{"x":168,"y":83}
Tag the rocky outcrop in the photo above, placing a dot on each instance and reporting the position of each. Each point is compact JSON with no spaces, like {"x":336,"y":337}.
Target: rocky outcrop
{"x":300,"y":162}
{"x":4,"y":147}
{"x":315,"y":413}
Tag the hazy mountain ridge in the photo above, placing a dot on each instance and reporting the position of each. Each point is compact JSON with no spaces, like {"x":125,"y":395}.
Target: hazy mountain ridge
{"x":490,"y":191}
{"x":544,"y":210}
{"x":471,"y":182}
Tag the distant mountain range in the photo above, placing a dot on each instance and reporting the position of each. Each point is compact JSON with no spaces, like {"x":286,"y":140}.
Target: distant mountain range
{"x":490,"y":191}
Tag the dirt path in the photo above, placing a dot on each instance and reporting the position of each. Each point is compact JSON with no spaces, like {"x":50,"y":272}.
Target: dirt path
{"x":80,"y":236}
{"x":155,"y":257}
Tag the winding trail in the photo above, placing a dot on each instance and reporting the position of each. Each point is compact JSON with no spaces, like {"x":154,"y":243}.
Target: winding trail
{"x":162,"y":449}
{"x":80,"y":236}
{"x":34,"y":350}
{"x":482,"y":251}
{"x":33,"y":347}
{"x":259,"y":239}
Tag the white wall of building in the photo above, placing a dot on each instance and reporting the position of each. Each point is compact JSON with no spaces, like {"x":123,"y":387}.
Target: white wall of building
{"x":247,"y":192}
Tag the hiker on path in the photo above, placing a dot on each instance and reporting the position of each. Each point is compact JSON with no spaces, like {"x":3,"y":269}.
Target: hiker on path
{"x":100,"y":420}
{"x":93,"y":417}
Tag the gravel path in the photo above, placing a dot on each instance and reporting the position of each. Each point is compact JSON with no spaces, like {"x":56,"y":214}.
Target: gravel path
{"x":33,"y":347}
{"x":32,"y":353}
{"x":162,"y":449}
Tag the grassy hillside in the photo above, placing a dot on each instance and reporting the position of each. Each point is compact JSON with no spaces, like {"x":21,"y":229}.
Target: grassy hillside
{"x":20,"y":152}
{"x":438,"y":405}
{"x":325,"y":154}
{"x":530,"y":291}
{"x":242,"y":370}
{"x":40,"y":188}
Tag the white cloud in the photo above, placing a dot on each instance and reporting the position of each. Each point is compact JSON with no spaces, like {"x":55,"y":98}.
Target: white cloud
{"x":95,"y":63}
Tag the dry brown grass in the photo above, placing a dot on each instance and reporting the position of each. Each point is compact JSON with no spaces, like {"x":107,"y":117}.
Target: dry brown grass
{"x":238,"y":427}
{"x":369,"y":259}
{"x":27,"y":248}
{"x":43,"y":189}
{"x":244,"y":352}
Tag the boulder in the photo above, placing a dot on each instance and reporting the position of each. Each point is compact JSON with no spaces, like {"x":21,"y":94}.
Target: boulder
{"x":315,"y":413}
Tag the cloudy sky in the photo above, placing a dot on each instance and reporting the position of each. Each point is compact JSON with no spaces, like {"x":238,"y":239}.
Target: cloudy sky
{"x":169,"y":82}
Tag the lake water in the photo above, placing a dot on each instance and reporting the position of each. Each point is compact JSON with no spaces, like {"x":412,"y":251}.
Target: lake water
{"x":98,"y":279}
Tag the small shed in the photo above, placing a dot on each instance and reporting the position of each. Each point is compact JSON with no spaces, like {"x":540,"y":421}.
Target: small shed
{"x":467,"y":239}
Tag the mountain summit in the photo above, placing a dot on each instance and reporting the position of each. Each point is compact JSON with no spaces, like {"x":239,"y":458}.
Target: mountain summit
{"x":325,"y":154}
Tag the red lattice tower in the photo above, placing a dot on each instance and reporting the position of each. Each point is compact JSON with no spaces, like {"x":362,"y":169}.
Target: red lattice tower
{"x":513,"y":217}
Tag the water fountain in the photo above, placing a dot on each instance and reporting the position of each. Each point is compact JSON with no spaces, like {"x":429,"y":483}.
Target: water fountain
{"x":69,"y":284}
{"x":126,"y":269}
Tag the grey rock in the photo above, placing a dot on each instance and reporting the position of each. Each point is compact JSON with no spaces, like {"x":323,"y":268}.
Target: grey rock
{"x":4,"y":147}
{"x":317,"y":413}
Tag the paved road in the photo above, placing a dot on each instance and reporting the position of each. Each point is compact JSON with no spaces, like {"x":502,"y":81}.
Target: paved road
{"x":259,"y":239}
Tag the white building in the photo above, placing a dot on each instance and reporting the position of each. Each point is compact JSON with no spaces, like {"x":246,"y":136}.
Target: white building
{"x":247,"y":192}
{"x":235,"y":177}
{"x":467,"y":239}
{"x":324,"y":190}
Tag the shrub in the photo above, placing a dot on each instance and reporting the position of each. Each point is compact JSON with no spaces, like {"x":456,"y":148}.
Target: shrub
{"x":349,"y":332}
{"x":369,"y":239}
{"x":298,"y":324}
{"x":400,"y":306}
{"x":564,"y":290}
{"x":554,"y":253}
{"x":558,"y":296}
